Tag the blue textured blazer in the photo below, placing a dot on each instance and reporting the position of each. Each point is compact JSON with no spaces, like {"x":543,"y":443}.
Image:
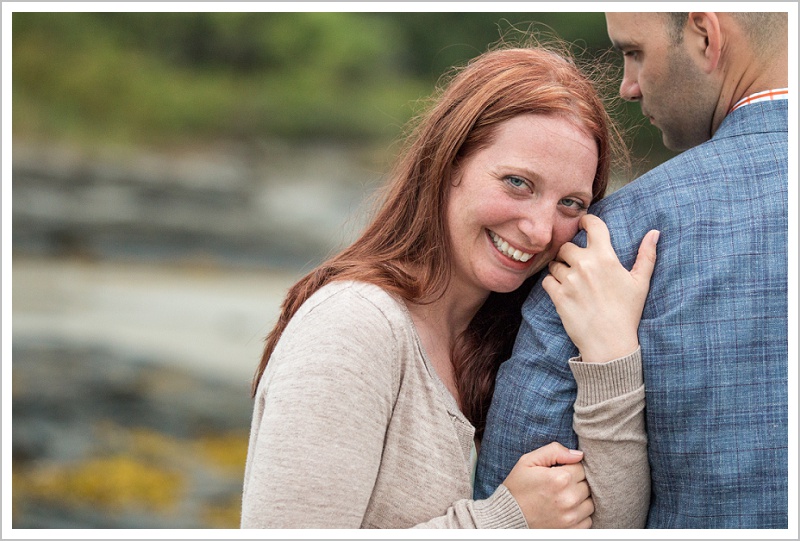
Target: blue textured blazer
{"x":713,"y":334}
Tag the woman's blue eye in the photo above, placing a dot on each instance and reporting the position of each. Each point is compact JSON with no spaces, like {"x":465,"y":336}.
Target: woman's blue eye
{"x":573,"y":203}
{"x":516,"y":182}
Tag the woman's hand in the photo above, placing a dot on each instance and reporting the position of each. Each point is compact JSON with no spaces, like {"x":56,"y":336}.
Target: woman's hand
{"x":600,"y":303}
{"x":552,"y":497}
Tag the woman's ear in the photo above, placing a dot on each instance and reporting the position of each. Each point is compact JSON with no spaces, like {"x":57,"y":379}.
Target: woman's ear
{"x":455,"y":173}
{"x":704,"y":39}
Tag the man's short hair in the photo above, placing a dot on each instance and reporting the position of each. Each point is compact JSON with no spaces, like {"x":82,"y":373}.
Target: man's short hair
{"x":759,"y":26}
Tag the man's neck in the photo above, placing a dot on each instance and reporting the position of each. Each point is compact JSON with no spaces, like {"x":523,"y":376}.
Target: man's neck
{"x":743,"y":71}
{"x":755,"y":76}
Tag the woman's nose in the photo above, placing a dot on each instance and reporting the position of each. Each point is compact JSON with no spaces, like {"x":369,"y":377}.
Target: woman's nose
{"x":539,"y":230}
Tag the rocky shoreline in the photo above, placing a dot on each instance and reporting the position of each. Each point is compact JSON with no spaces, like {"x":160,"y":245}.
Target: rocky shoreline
{"x":276,"y":205}
{"x":101,"y":441}
{"x":143,"y":285}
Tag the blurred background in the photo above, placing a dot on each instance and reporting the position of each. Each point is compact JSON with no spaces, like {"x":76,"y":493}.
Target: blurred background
{"x":173,"y":174}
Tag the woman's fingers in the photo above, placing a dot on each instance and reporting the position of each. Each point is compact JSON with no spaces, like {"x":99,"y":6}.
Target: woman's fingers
{"x":551,"y":495}
{"x":599,"y":301}
{"x":558,"y":270}
{"x":598,"y":240}
{"x":585,"y":510}
{"x":553,"y":454}
{"x":596,"y":230}
{"x":646,"y":258}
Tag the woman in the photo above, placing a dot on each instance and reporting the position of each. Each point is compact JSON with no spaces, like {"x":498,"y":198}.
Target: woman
{"x":374,"y":385}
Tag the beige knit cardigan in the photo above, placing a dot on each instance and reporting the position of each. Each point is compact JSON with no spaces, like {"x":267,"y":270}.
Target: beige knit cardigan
{"x":352,"y":428}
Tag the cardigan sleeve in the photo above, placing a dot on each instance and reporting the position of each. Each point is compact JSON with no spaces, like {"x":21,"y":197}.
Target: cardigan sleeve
{"x":500,"y":510}
{"x":320,"y":417}
{"x":609,"y":422}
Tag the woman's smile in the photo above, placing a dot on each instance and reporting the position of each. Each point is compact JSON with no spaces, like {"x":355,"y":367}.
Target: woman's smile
{"x":503,"y":246}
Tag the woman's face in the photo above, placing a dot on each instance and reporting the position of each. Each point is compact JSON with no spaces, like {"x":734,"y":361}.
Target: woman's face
{"x":514,"y":203}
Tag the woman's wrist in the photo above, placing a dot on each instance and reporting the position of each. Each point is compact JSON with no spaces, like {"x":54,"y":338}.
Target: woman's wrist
{"x":607,"y":352}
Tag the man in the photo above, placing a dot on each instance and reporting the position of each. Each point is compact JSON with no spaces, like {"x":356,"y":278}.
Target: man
{"x":714,"y":329}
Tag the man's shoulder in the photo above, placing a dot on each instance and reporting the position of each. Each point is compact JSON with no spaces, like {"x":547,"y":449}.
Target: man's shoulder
{"x":658,"y":183}
{"x":741,"y":146}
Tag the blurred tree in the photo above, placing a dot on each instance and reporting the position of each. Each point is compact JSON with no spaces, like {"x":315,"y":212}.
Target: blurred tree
{"x":162,"y":78}
{"x":435,"y":41}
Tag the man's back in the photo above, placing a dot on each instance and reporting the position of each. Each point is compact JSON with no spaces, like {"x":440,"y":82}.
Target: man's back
{"x":713,"y":335}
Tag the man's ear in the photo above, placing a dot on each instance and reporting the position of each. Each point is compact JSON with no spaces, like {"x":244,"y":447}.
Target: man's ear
{"x":704,"y":39}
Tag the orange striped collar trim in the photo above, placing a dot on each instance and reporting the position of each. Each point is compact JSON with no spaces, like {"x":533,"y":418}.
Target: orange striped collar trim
{"x":766,"y":95}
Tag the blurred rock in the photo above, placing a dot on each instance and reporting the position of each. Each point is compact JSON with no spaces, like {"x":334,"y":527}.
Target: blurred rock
{"x":276,"y":205}
{"x":101,"y":441}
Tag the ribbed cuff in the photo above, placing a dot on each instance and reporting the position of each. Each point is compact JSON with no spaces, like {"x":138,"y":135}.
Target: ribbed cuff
{"x":598,"y":382}
{"x":500,"y":510}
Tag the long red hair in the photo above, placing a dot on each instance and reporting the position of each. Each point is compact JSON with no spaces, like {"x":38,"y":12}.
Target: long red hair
{"x":405,"y":248}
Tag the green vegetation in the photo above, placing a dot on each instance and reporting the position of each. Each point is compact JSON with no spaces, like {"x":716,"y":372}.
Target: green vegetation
{"x":136,"y":76}
{"x":171,"y":78}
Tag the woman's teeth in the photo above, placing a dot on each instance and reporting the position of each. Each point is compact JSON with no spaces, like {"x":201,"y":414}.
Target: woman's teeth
{"x":506,"y":250}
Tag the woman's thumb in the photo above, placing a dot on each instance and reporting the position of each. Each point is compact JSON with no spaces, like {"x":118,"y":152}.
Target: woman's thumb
{"x":646,"y":258}
{"x":553,"y":454}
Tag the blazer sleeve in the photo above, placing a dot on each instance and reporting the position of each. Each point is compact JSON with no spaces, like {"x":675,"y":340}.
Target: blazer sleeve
{"x":532,"y":404}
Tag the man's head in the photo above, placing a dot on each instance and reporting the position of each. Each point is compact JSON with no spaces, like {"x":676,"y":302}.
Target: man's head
{"x":687,"y":69}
